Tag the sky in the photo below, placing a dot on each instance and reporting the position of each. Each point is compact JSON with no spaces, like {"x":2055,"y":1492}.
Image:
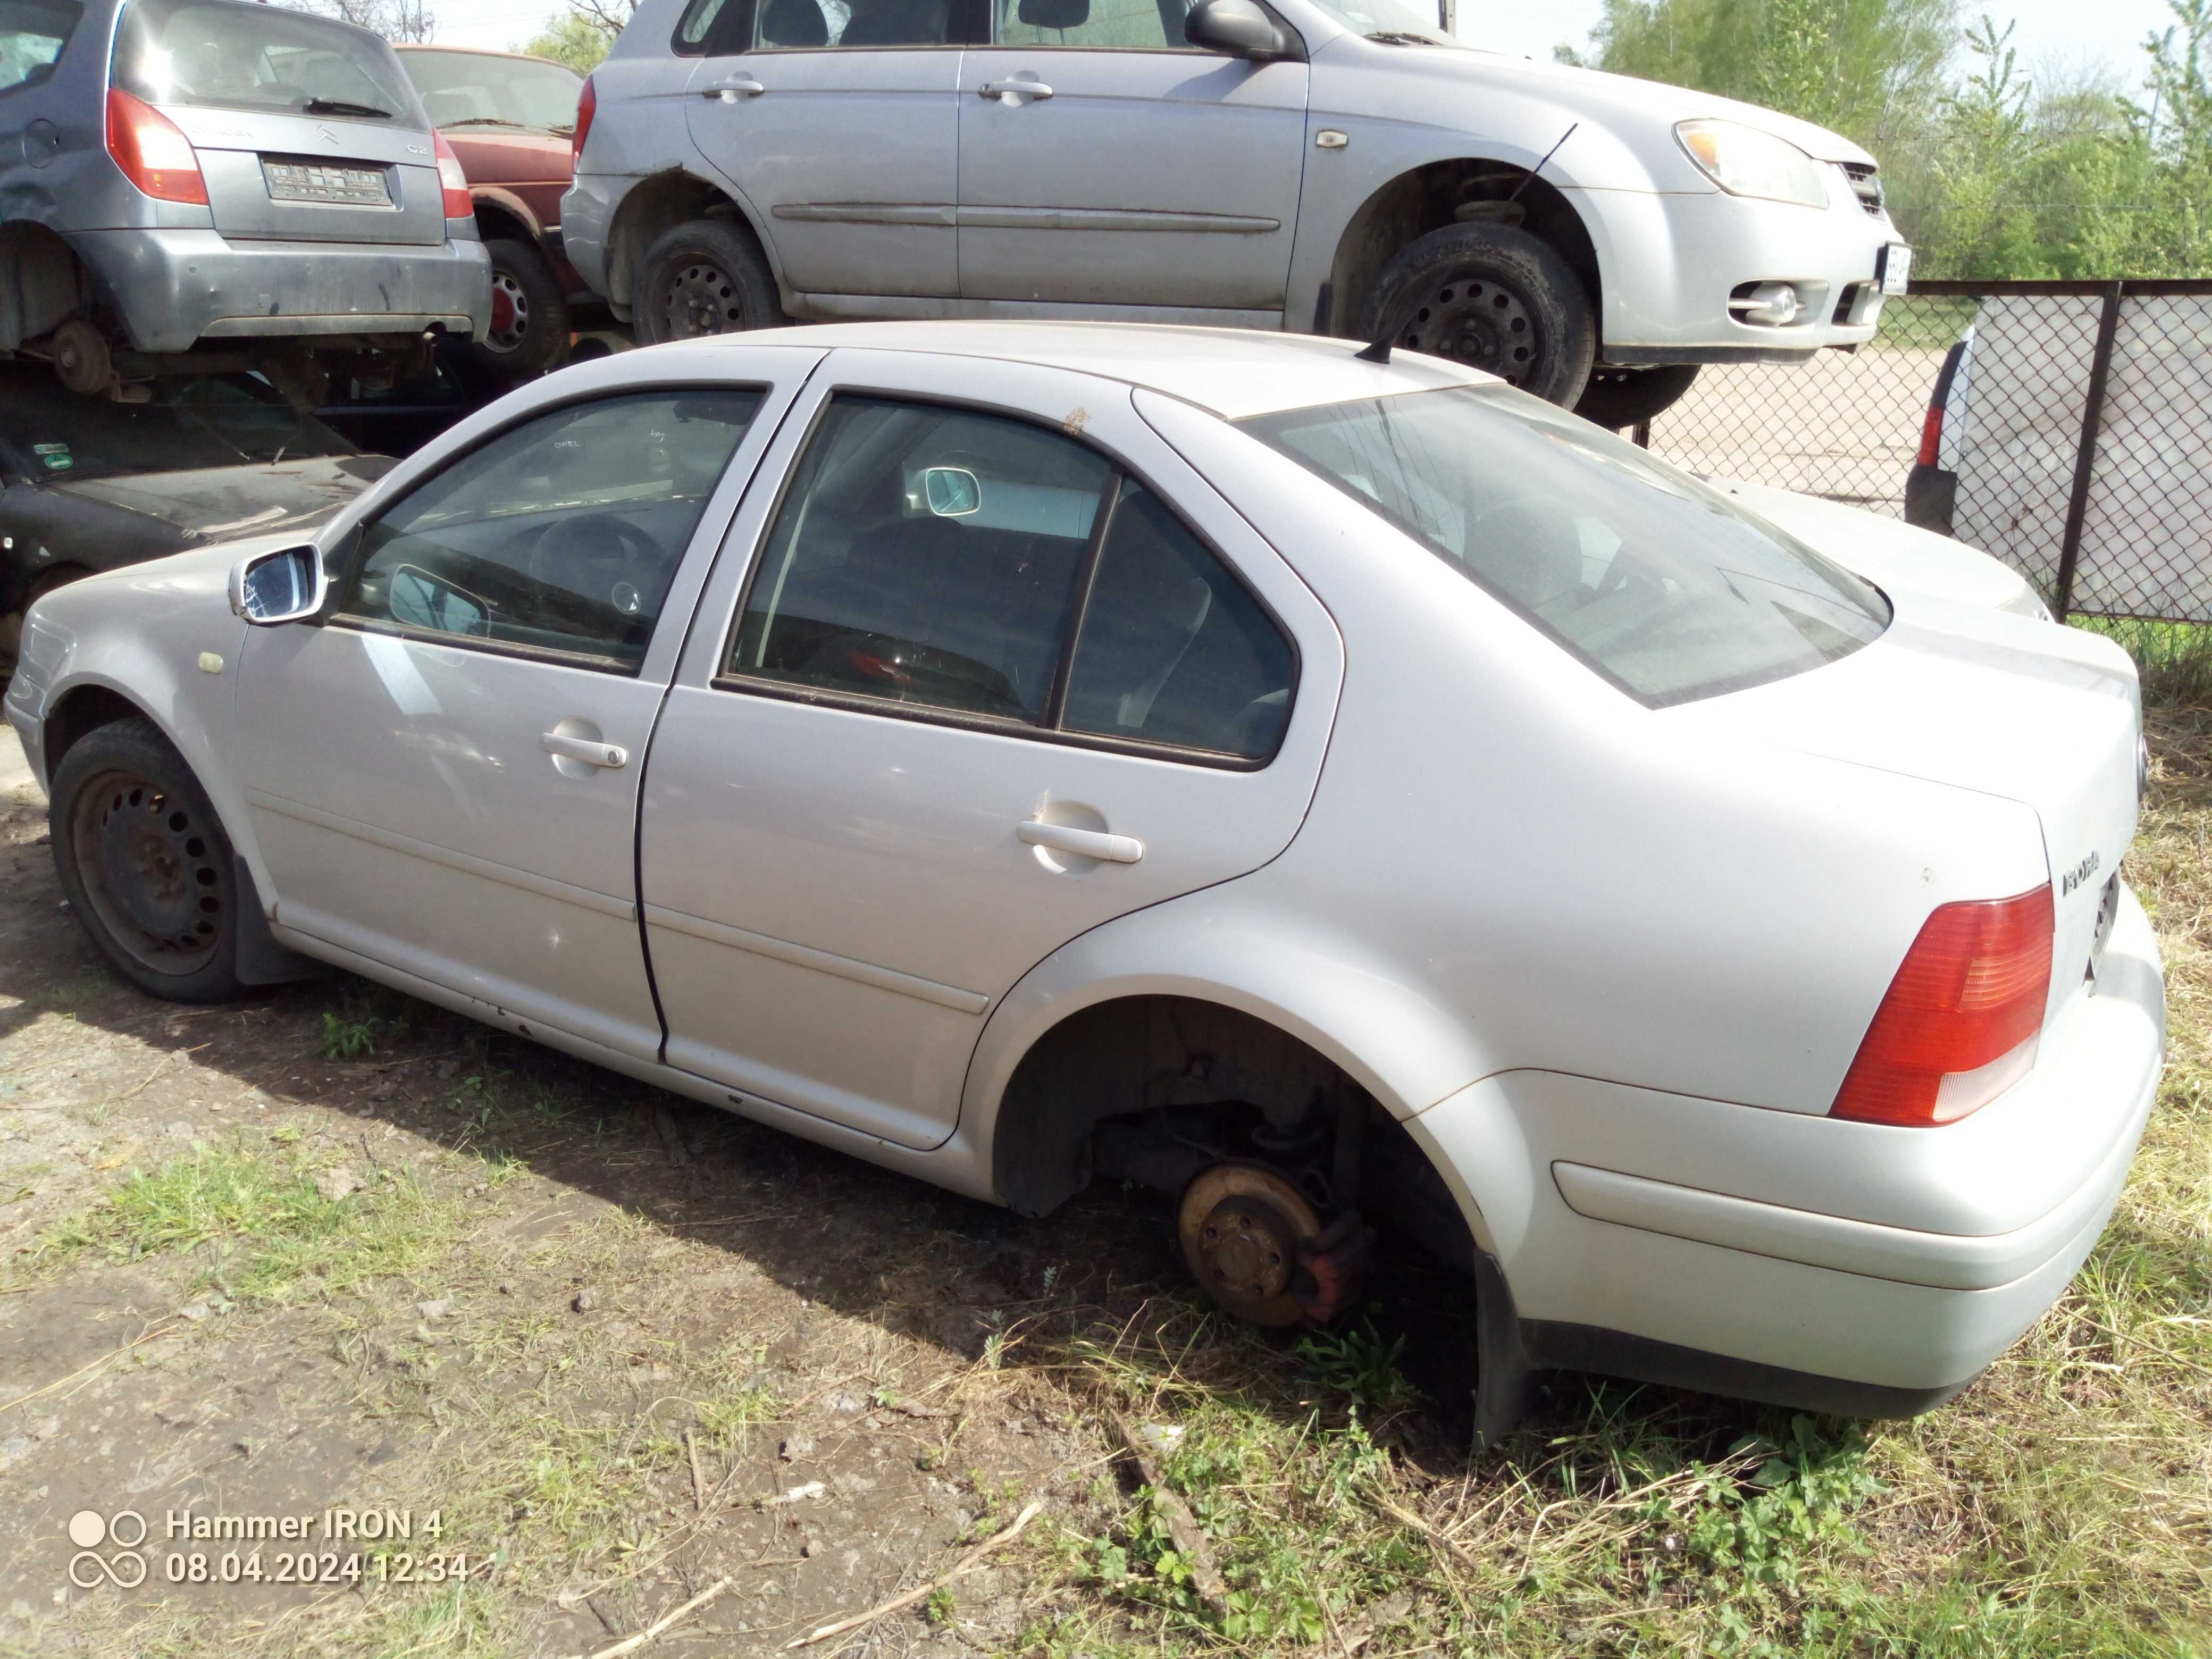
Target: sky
{"x":2053,"y":34}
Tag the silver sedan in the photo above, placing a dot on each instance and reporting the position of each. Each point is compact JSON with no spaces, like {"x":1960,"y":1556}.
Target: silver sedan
{"x":1342,"y":794}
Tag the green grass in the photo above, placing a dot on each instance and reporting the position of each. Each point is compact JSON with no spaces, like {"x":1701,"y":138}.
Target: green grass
{"x":2175,"y":659}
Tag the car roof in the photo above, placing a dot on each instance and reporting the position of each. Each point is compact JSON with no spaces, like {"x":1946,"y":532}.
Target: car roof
{"x":1232,"y":372}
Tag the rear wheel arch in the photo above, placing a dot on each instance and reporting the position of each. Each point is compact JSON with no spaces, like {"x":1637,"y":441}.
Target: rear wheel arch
{"x":42,"y":281}
{"x":659,"y":203}
{"x":1123,"y":1056}
{"x":1425,"y":199}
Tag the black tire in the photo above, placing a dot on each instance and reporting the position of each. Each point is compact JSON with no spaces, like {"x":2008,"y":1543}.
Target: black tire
{"x":529,"y":314}
{"x":1620,"y":397}
{"x":145,"y":863}
{"x":702,"y":278}
{"x":1495,"y":298}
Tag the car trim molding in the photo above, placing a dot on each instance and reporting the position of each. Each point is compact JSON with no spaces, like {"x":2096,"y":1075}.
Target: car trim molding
{"x":545,"y":886}
{"x":947,"y":215}
{"x":822,"y":961}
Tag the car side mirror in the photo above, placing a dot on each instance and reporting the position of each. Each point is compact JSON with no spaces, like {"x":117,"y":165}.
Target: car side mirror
{"x":951,"y":492}
{"x":1237,"y":28}
{"x":269,"y":588}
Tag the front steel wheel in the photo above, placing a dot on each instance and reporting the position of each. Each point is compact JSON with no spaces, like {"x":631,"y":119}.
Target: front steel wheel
{"x":1495,"y":298}
{"x":146,"y":863}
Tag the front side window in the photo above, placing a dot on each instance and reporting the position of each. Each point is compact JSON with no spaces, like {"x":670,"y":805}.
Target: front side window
{"x":941,"y":559}
{"x":32,"y":36}
{"x":808,"y":23}
{"x":561,"y":535}
{"x":213,"y":54}
{"x":1667,"y":588}
{"x":1132,"y":25}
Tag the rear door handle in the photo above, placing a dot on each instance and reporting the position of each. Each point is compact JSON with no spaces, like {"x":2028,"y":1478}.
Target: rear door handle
{"x":590,"y":751}
{"x":1086,"y":843}
{"x":1037,"y":89}
{"x":729,"y":91}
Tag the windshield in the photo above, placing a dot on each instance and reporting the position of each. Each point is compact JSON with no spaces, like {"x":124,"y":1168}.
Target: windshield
{"x":1387,"y":18}
{"x":212,"y":54}
{"x":51,"y":434}
{"x":1666,"y":587}
{"x":486,"y":90}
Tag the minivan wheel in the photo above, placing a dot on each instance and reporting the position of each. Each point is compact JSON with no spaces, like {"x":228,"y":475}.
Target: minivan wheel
{"x":1495,"y":298}
{"x":1620,"y":397}
{"x":699,"y":278}
{"x":144,"y":862}
{"x":529,"y":314}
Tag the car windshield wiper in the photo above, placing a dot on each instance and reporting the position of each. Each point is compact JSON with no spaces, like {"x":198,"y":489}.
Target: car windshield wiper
{"x":1404,"y":37}
{"x":483,"y":121}
{"x":340,"y":107}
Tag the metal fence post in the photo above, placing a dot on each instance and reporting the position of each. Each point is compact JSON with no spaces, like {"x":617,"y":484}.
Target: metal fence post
{"x":2085,"y":457}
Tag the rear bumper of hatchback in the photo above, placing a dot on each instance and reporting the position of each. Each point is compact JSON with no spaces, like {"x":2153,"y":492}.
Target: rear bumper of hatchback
{"x":177,"y":287}
{"x":1777,"y":1255}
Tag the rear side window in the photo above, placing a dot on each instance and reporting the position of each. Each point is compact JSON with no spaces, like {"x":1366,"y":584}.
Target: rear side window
{"x":801,"y":24}
{"x":1665,"y":587}
{"x":212,"y":54}
{"x":32,"y":36}
{"x":941,"y":559}
{"x":714,"y":28}
{"x":1132,"y":25}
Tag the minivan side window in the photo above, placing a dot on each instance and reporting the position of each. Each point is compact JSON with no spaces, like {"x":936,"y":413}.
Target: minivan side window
{"x":801,"y":24}
{"x":558,"y":537}
{"x":714,"y":28}
{"x":939,"y":559}
{"x":1129,"y":25}
{"x":32,"y":36}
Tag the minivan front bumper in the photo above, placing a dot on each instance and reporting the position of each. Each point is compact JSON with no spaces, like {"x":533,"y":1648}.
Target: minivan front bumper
{"x":176,"y":288}
{"x":1795,"y":1258}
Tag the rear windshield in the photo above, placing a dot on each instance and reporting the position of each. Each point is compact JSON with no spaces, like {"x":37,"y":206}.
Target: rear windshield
{"x":32,"y":36}
{"x":198,"y":420}
{"x":478,"y":89}
{"x":213,"y":55}
{"x":1667,"y":588}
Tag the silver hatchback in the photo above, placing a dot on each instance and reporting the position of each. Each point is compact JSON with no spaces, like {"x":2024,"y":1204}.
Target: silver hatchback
{"x":224,"y":180}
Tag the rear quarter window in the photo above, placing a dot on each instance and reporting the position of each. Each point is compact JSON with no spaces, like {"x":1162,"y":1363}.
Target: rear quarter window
{"x":32,"y":36}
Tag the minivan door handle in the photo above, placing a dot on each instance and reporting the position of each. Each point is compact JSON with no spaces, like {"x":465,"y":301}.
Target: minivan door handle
{"x":737,"y":87}
{"x":1085,"y":843}
{"x":590,"y":751}
{"x":1000,"y":89}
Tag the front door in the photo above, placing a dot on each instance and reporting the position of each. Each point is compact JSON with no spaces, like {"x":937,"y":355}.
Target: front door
{"x":443,"y":775}
{"x":986,"y":685}
{"x":838,"y":124}
{"x":1104,"y":162}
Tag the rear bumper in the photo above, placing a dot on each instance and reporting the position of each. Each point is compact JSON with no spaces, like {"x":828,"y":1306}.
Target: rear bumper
{"x":586,"y":213}
{"x":175,"y":288}
{"x":1669,"y":263}
{"x":1790,"y":1257}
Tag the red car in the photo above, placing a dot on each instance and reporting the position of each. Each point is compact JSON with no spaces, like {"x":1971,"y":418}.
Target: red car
{"x":508,"y":118}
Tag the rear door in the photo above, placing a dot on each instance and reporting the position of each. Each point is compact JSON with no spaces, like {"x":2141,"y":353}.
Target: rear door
{"x":1104,"y":161}
{"x":306,"y":129}
{"x":836,"y":121}
{"x":885,"y":787}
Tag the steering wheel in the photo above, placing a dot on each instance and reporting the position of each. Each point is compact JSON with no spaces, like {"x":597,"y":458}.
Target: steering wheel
{"x":587,"y":565}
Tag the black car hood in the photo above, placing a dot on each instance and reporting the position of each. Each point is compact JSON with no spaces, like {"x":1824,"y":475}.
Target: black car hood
{"x":211,"y":504}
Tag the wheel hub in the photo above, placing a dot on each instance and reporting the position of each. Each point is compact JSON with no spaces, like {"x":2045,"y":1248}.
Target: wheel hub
{"x":703,"y":300}
{"x":150,"y":870}
{"x":1240,"y":1226}
{"x":510,"y":312}
{"x":1481,"y":324}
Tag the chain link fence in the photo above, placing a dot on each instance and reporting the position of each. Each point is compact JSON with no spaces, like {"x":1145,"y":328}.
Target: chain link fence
{"x":2075,"y":441}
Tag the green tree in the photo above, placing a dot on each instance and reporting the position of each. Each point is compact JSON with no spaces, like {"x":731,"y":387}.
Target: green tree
{"x":574,"y":38}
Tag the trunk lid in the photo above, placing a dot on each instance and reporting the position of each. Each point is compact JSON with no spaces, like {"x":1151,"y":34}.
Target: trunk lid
{"x":307,"y":129}
{"x":2029,"y":711}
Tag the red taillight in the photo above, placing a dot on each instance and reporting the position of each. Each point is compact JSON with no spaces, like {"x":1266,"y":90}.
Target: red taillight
{"x":460,"y":204}
{"x":1961,"y":1019}
{"x":587,"y":105}
{"x":152,"y":150}
{"x":1931,"y":435}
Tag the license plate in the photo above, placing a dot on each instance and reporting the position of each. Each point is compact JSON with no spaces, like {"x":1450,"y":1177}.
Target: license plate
{"x":1896,"y":267}
{"x":322,"y":181}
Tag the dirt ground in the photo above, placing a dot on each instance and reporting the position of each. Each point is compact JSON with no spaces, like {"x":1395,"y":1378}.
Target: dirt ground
{"x":621,"y":1345}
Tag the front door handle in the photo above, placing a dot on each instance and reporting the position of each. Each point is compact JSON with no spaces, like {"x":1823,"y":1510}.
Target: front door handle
{"x":1000,"y":89}
{"x":1085,"y":843}
{"x":737,"y":87}
{"x":590,"y":751}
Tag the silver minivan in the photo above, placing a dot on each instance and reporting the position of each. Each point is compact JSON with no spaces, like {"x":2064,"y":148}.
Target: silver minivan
{"x":199,"y":185}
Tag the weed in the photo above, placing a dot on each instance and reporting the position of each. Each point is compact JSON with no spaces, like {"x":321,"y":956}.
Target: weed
{"x":940,"y":1606}
{"x":347,"y":1039}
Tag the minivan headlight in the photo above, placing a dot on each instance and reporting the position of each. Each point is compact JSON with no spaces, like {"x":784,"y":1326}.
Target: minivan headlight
{"x":1745,"y":162}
